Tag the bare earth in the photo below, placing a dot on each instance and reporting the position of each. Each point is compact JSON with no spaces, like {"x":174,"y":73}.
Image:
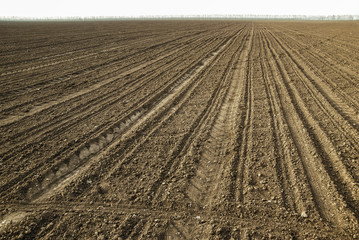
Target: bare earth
{"x":179,"y":130}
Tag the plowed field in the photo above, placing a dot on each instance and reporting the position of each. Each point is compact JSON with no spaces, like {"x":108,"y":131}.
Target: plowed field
{"x":179,"y":130}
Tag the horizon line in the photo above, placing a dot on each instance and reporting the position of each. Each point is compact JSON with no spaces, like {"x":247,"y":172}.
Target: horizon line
{"x":190,"y":17}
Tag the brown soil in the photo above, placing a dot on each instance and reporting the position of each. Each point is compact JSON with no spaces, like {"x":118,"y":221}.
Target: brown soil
{"x":179,"y":130}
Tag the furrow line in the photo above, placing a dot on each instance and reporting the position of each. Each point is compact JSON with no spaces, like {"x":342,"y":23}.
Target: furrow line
{"x":131,"y":56}
{"x":242,"y":134}
{"x":343,"y":180}
{"x":324,"y":57}
{"x":87,"y":152}
{"x":343,"y":115}
{"x":206,"y":127}
{"x":124,"y":220}
{"x":190,"y":142}
{"x":125,"y":131}
{"x":329,"y":88}
{"x":107,"y":65}
{"x":109,"y":99}
{"x":320,"y":38}
{"x":187,"y":138}
{"x":281,"y":158}
{"x":260,"y":180}
{"x":330,"y":204}
{"x":217,"y":146}
{"x":297,"y":189}
{"x":98,"y":48}
{"x":205,"y":186}
{"x":118,"y":126}
{"x":59,"y":43}
{"x":145,"y":106}
{"x":94,"y":87}
{"x":71,"y":125}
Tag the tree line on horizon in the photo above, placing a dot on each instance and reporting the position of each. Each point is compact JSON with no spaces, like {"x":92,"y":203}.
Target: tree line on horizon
{"x":164,"y":17}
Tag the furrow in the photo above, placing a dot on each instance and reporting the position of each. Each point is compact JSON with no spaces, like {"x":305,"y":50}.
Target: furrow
{"x":148,"y":63}
{"x":190,"y":137}
{"x":296,"y":187}
{"x":112,"y":97}
{"x":94,"y":87}
{"x":111,"y":62}
{"x":344,"y":102}
{"x":276,"y":125}
{"x":347,"y":50}
{"x":239,"y":161}
{"x":123,"y":130}
{"x":218,"y":135}
{"x":150,"y":114}
{"x":147,"y":100}
{"x":53,"y":93}
{"x":330,"y":204}
{"x":260,"y":180}
{"x":217,"y":147}
{"x":179,"y":130}
{"x":344,"y":181}
{"x":172,"y":110}
{"x":329,"y":59}
{"x":54,"y":181}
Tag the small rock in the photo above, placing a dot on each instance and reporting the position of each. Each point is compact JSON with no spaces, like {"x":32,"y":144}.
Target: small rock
{"x":304,"y":214}
{"x":51,"y":224}
{"x":198,"y":217}
{"x":101,"y":237}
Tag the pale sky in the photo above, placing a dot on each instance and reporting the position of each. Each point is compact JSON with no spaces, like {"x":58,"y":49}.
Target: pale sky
{"x":86,"y":8}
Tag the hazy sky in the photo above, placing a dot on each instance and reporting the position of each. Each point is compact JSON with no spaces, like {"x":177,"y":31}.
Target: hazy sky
{"x":65,"y":8}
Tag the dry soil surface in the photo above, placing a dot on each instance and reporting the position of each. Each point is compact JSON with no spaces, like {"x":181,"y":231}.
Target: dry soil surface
{"x":179,"y":130}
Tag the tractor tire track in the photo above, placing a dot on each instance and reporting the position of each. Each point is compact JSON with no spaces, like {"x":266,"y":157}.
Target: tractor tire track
{"x":217,"y":146}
